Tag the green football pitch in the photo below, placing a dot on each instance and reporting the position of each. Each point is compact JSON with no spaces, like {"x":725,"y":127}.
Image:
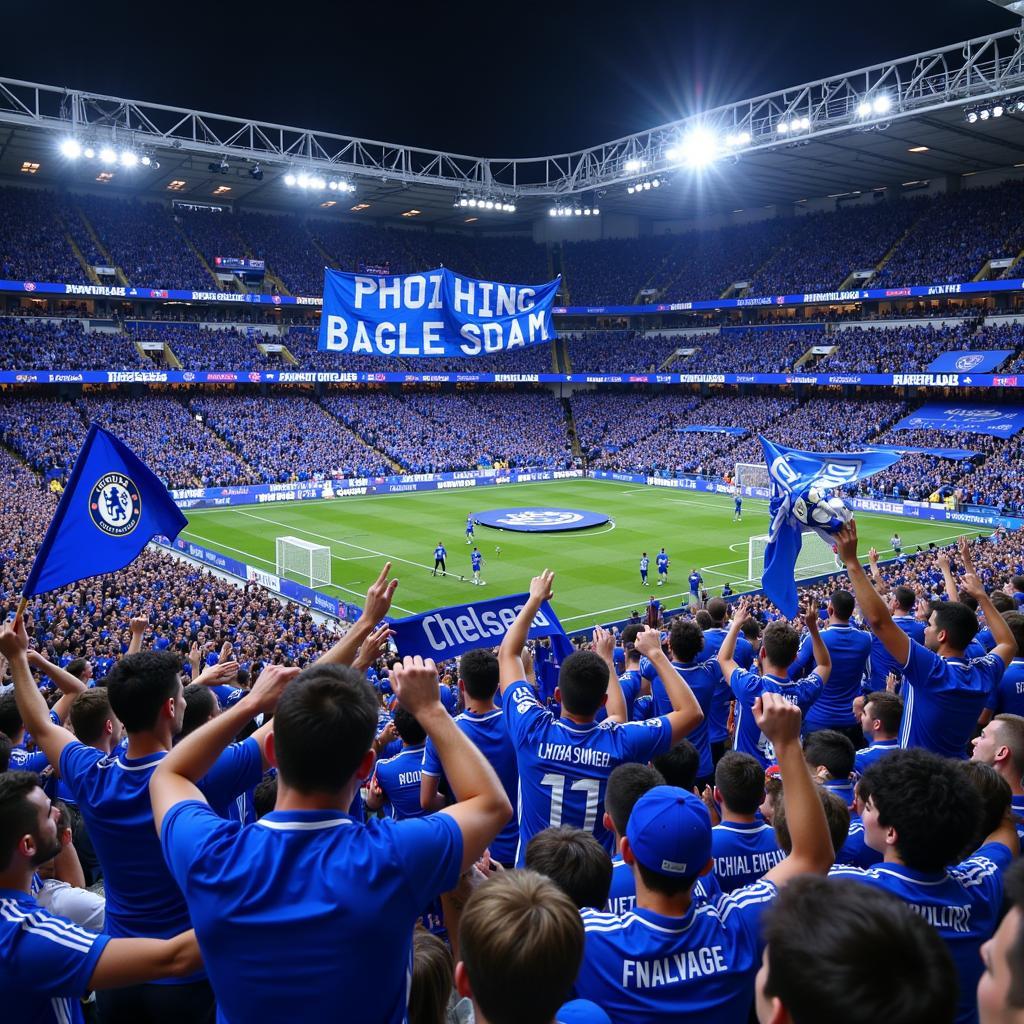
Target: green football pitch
{"x":597,"y":569}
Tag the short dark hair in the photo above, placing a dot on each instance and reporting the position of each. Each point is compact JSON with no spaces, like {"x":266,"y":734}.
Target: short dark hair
{"x":1002,"y":602}
{"x":200,"y":704}
{"x":626,"y":784}
{"x":324,"y":724}
{"x":17,"y":815}
{"x":6,"y":746}
{"x":751,"y":629}
{"x":906,"y":787}
{"x":851,"y":954}
{"x":837,"y":814}
{"x":678,"y":765}
{"x":138,"y":686}
{"x":781,"y":643}
{"x":994,"y":799}
{"x":410,"y":731}
{"x":685,"y":639}
{"x":740,"y":779}
{"x":264,"y":796}
{"x":905,"y":598}
{"x":575,"y":861}
{"x":887,"y":708}
{"x":630,"y":633}
{"x":842,"y":604}
{"x":77,"y":667}
{"x":718,"y":609}
{"x":11,"y":722}
{"x":90,"y":712}
{"x":831,"y":749}
{"x":583,"y":682}
{"x":1015,"y":620}
{"x":959,"y":622}
{"x":1017,"y":582}
{"x":521,"y":942}
{"x":478,"y":670}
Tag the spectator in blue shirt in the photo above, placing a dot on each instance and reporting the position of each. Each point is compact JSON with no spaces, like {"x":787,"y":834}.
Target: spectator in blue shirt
{"x":880,"y":715}
{"x":1001,"y":745}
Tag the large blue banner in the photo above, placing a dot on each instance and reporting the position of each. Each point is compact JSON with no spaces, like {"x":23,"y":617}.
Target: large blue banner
{"x":968,"y":362}
{"x":947,"y":418}
{"x":436,"y":313}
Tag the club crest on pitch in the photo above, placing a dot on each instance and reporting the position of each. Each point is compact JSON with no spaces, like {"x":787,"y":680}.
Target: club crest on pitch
{"x":115,"y":504}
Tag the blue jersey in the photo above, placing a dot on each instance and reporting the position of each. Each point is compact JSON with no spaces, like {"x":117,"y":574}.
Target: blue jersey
{"x":469,"y":526}
{"x":23,"y":760}
{"x":622,"y":894}
{"x":718,"y":725}
{"x":1008,"y":695}
{"x":855,"y":852}
{"x":304,"y":905}
{"x":630,"y":682}
{"x":477,"y":559}
{"x":662,"y":561}
{"x":695,"y":581}
{"x":646,"y":968}
{"x":564,"y":766}
{"x":865,"y":758}
{"x":1017,"y":806}
{"x":45,"y":962}
{"x":644,"y":563}
{"x":743,"y":852}
{"x":942,"y":699}
{"x":399,"y":778}
{"x":439,"y":553}
{"x":702,"y":678}
{"x":849,"y":649}
{"x":113,"y":796}
{"x":962,"y":904}
{"x":737,"y":503}
{"x":488,"y":734}
{"x":882,"y":662}
{"x":747,"y":687}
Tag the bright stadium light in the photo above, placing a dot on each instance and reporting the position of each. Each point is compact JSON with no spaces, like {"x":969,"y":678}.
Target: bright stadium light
{"x":88,"y":152}
{"x":511,"y":208}
{"x":737,"y":139}
{"x":290,"y":180}
{"x":863,"y":109}
{"x":463,"y":201}
{"x":71,"y":148}
{"x":634,"y":165}
{"x":630,"y":189}
{"x":333,"y":186}
{"x":782,"y":127}
{"x":984,"y":113}
{"x":108,"y":156}
{"x":489,"y":204}
{"x":647,"y":186}
{"x":801,"y":123}
{"x":553,"y":212}
{"x":997,"y":110}
{"x":128,"y":158}
{"x":699,"y":147}
{"x":655,"y":182}
{"x":881,"y":104}
{"x":673,"y":153}
{"x":146,"y":161}
{"x":577,"y":211}
{"x":586,"y":211}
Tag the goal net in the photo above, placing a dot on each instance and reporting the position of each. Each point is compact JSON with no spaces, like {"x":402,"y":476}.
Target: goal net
{"x":751,"y":474}
{"x":304,"y":560}
{"x":815,"y":559}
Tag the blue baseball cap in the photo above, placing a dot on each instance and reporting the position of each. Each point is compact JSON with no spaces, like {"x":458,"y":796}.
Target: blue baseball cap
{"x":669,"y":831}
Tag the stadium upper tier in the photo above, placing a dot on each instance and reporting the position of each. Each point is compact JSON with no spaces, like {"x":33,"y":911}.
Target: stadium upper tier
{"x":211,"y":439}
{"x":951,"y":237}
{"x":67,"y":344}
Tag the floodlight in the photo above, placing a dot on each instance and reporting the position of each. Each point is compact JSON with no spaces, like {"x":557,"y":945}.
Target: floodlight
{"x":699,"y":147}
{"x":803,"y":123}
{"x":997,"y":110}
{"x":586,"y":211}
{"x":634,"y":164}
{"x":333,"y":186}
{"x":88,"y":152}
{"x":984,"y":113}
{"x":463,"y":201}
{"x":863,"y":109}
{"x":511,"y":207}
{"x":596,"y":211}
{"x":782,"y":127}
{"x":655,"y":182}
{"x":128,"y":158}
{"x":577,"y":211}
{"x":881,"y":104}
{"x":672,"y":153}
{"x":256,"y":172}
{"x":71,"y":148}
{"x":108,"y":156}
{"x":552,"y":212}
{"x":471,"y":202}
{"x":972,"y":116}
{"x":146,"y":161}
{"x":742,"y":138}
{"x":630,"y":189}
{"x":489,"y":204}
{"x":302,"y":180}
{"x":647,"y":186}
{"x":290,"y":180}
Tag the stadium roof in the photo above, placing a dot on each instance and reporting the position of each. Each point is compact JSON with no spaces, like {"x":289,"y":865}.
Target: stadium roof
{"x":895,"y":123}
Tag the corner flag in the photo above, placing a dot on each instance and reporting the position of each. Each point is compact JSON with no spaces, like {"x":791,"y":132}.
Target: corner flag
{"x":111,"y":508}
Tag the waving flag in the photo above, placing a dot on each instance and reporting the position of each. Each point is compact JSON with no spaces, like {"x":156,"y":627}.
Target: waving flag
{"x":111,"y":508}
{"x":791,"y":472}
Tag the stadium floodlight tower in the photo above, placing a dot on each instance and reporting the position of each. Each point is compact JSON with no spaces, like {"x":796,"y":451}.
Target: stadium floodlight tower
{"x":311,"y":563}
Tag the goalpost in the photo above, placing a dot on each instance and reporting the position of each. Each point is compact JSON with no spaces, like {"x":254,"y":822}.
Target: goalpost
{"x":304,"y":559}
{"x":751,"y":474}
{"x":815,"y":559}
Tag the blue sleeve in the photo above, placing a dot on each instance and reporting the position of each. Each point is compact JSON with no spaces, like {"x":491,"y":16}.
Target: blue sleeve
{"x":804,"y":658}
{"x":28,"y":761}
{"x":743,"y":908}
{"x":54,"y":957}
{"x":810,"y":689}
{"x":923,"y":666}
{"x":640,"y":741}
{"x":744,"y":654}
{"x":76,"y":760}
{"x":431,"y":762}
{"x":523,"y":712}
{"x":189,"y":836}
{"x":430,"y":852}
{"x":992,"y":669}
{"x":746,"y":686}
{"x":239,"y":768}
{"x":647,"y":670}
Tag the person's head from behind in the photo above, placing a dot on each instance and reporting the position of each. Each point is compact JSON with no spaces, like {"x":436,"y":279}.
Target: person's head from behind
{"x":678,"y":766}
{"x":433,"y":977}
{"x":264,"y":796}
{"x":521,"y":943}
{"x":837,"y":814}
{"x":409,"y":730}
{"x":1001,"y":987}
{"x":951,"y":627}
{"x":668,"y":841}
{"x":201,"y":706}
{"x":739,"y":783}
{"x":904,"y":599}
{"x":1001,"y":744}
{"x":830,"y":755}
{"x":702,"y":619}
{"x":881,"y":715}
{"x":324,"y":725}
{"x":626,"y":784}
{"x":779,"y":644}
{"x":146,"y":693}
{"x":685,"y":640}
{"x":582,"y":684}
{"x":80,"y":668}
{"x":575,"y":861}
{"x":11,"y":724}
{"x":718,"y":609}
{"x":92,"y":718}
{"x":994,"y":801}
{"x":840,"y":605}
{"x":842,"y":952}
{"x":478,"y":674}
{"x":1015,"y":620}
{"x":903,"y":793}
{"x":1003,"y":603}
{"x":6,"y":746}
{"x":1017,"y":583}
{"x":29,"y":834}
{"x":751,"y":629}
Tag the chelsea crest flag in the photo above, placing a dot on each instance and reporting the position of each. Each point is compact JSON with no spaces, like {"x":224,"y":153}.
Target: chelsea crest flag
{"x":111,"y":508}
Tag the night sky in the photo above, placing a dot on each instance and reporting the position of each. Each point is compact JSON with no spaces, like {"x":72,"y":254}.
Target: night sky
{"x":477,"y":78}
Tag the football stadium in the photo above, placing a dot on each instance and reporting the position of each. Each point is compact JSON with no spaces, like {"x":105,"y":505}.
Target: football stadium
{"x":408,"y":557}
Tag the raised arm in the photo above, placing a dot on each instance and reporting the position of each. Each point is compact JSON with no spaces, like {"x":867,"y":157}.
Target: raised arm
{"x":510,"y":653}
{"x":177,"y":775}
{"x":137,"y":625}
{"x":947,"y":576}
{"x":876,"y":574}
{"x":726,"y":653}
{"x":686,"y":714}
{"x":1005,"y":644}
{"x":50,"y":738}
{"x":482,"y":809}
{"x":70,"y":686}
{"x":604,"y":645}
{"x":812,"y":851}
{"x":134,"y":961}
{"x":378,"y":604}
{"x":822,"y":659}
{"x":872,"y":607}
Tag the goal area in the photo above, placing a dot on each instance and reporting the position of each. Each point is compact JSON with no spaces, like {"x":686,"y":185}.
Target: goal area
{"x":310,"y":563}
{"x":816,"y":557}
{"x":750,"y":474}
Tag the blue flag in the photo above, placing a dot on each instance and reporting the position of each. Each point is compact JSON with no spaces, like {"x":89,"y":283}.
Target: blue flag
{"x":111,"y":508}
{"x":448,"y":632}
{"x":791,"y":472}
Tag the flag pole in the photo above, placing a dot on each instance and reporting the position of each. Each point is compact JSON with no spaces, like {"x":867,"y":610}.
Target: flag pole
{"x":22,"y":605}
